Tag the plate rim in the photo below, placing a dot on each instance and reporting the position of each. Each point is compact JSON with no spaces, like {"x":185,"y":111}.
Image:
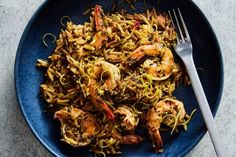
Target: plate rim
{"x":43,"y":143}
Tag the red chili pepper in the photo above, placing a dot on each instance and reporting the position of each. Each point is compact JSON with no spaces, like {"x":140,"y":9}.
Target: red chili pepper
{"x":136,"y":25}
{"x":97,"y":18}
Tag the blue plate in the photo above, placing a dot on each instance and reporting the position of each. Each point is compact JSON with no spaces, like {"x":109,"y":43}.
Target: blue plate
{"x":207,"y":56}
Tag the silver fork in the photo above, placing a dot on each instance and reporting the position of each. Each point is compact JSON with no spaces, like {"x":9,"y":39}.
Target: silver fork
{"x":184,"y":50}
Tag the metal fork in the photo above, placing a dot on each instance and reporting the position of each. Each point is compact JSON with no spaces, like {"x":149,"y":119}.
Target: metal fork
{"x":184,"y":50}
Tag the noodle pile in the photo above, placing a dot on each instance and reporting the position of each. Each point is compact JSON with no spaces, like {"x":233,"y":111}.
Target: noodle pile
{"x":106,"y":75}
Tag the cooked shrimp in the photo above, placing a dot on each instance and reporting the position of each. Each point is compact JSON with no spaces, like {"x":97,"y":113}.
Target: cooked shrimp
{"x":98,"y":101}
{"x":161,"y":20}
{"x":78,"y":128}
{"x":159,"y":72}
{"x":98,"y":18}
{"x":100,"y":36}
{"x":112,"y":72}
{"x":130,"y":120}
{"x":100,"y":68}
{"x":169,"y":112}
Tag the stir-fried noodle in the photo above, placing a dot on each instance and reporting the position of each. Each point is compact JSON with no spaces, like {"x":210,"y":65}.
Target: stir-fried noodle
{"x":112,"y":74}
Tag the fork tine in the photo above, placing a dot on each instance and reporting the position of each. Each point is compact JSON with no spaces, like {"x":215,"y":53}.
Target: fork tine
{"x":184,"y":26}
{"x":173,"y":25}
{"x":179,"y":28}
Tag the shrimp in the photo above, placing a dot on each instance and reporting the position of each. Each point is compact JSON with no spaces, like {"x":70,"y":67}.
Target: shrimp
{"x":113,"y":74}
{"x":100,"y":68}
{"x":159,"y":72}
{"x":100,"y":36}
{"x":78,"y":128}
{"x":161,"y":20}
{"x":98,"y":18}
{"x":98,"y":101}
{"x":130,"y":120}
{"x":170,"y":112}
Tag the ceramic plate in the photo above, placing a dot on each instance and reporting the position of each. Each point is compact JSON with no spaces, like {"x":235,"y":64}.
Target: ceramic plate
{"x":207,"y":57}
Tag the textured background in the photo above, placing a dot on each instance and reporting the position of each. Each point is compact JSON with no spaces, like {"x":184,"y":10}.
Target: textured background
{"x":17,"y":140}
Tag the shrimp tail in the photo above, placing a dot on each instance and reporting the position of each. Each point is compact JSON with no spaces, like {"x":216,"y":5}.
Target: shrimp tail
{"x":134,"y":57}
{"x":109,"y":113}
{"x":157,"y":142}
{"x":98,"y":101}
{"x":98,"y":18}
{"x":105,"y":107}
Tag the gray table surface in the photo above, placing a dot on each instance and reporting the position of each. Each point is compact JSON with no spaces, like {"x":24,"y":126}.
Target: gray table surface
{"x":17,"y":140}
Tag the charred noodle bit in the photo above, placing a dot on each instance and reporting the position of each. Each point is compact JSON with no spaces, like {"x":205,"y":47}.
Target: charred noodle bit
{"x":110,"y":75}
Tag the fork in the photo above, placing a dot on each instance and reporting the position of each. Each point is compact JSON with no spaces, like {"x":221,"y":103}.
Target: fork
{"x":184,"y":50}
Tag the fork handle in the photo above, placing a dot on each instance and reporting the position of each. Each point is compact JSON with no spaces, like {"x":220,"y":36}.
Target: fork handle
{"x":203,"y":104}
